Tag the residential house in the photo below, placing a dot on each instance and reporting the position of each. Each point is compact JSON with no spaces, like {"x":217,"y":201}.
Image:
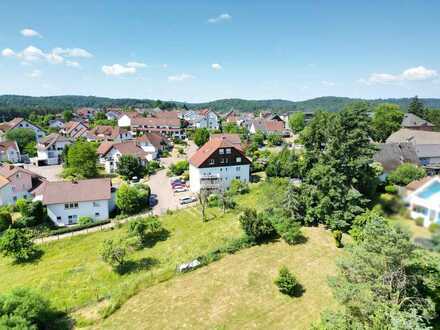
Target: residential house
{"x":153,"y":144}
{"x":426,"y":143}
{"x":50,"y":149}
{"x":67,"y":201}
{"x":423,"y":197}
{"x":216,"y":164}
{"x":6,"y":194}
{"x":9,"y":152}
{"x":20,"y":123}
{"x":268,"y":127}
{"x":85,"y":112}
{"x":110,"y":152}
{"x":234,"y":138}
{"x":231,"y":117}
{"x":391,"y":155}
{"x":125,"y":120}
{"x":113,"y":114}
{"x":56,"y":123}
{"x":411,"y":121}
{"x":22,"y":181}
{"x":204,"y":118}
{"x":74,"y":129}
{"x":171,"y":127}
{"x":109,"y":133}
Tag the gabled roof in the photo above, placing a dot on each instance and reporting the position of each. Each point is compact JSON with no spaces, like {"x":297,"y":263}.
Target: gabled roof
{"x":174,"y":114}
{"x":268,"y":125}
{"x":411,"y":120}
{"x":210,"y":148}
{"x":234,"y":138}
{"x":125,"y":148}
{"x":13,"y":123}
{"x":391,"y":155}
{"x":5,"y":145}
{"x":414,"y":136}
{"x":106,"y":132}
{"x":155,"y":139}
{"x":155,"y":121}
{"x":7,"y":171}
{"x":3,"y":181}
{"x":50,"y":139}
{"x":75,"y":191}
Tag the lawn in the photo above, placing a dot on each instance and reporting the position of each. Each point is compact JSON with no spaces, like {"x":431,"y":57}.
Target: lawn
{"x":237,"y":292}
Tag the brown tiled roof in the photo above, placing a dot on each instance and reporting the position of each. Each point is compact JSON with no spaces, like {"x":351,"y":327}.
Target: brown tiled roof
{"x":106,"y":131}
{"x":234,"y":138}
{"x":125,"y":148}
{"x":9,"y":170}
{"x":155,"y":139}
{"x":71,"y":125}
{"x":14,"y":122}
{"x":167,"y":114}
{"x":412,"y":186}
{"x":204,"y":112}
{"x":268,"y":125}
{"x":76,"y":191}
{"x":50,"y":139}
{"x":8,"y":144}
{"x":209,"y":148}
{"x":3,"y":181}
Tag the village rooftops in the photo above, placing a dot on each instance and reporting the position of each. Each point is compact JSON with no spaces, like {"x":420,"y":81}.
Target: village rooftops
{"x":154,"y":139}
{"x":8,"y":170}
{"x":391,"y":155}
{"x":125,"y":148}
{"x":234,"y":138}
{"x":268,"y":126}
{"x":47,"y":141}
{"x":414,"y":136}
{"x":75,"y":191}
{"x":411,"y":120}
{"x":5,"y":145}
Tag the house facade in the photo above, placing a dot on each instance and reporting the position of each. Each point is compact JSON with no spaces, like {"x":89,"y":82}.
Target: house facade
{"x":153,"y":144}
{"x":67,"y":201}
{"x":6,"y":195}
{"x":9,"y":152}
{"x":109,"y":154}
{"x":20,"y":123}
{"x":21,"y":181}
{"x":109,"y":133}
{"x":268,"y":127}
{"x":202,"y":119}
{"x":74,"y":129}
{"x":216,"y":164}
{"x":424,"y":200}
{"x":51,"y":148}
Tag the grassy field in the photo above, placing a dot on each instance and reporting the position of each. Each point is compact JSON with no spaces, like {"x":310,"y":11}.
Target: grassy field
{"x":237,"y":292}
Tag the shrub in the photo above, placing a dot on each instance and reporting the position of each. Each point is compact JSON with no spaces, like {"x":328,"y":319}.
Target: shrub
{"x":131,"y":199}
{"x":405,"y":174}
{"x":25,"y":309}
{"x":419,"y":221}
{"x":213,"y":200}
{"x":436,"y":241}
{"x":74,"y":228}
{"x":256,"y":226}
{"x":238,"y":187}
{"x":391,"y":204}
{"x":337,"y":235}
{"x":5,"y":220}
{"x":17,"y":243}
{"x":141,"y":228}
{"x":85,"y":221}
{"x":288,"y":229}
{"x":130,"y":166}
{"x":286,"y":282}
{"x":391,"y":189}
{"x":114,"y":253}
{"x":179,"y":168}
{"x":434,"y":227}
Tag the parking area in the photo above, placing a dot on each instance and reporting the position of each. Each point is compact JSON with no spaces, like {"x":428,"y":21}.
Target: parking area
{"x":51,"y":173}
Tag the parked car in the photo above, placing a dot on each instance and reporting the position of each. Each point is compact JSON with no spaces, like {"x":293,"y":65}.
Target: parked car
{"x":187,"y":200}
{"x":178,"y":184}
{"x":180,"y":189}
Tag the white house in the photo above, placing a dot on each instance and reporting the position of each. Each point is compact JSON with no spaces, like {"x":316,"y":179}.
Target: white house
{"x":9,"y":152}
{"x":125,"y":120}
{"x":424,"y":200}
{"x":109,"y":133}
{"x":216,"y":164}
{"x":56,"y":123}
{"x":109,"y":154}
{"x":50,"y":149}
{"x":152,"y":144}
{"x":20,"y":123}
{"x":67,"y":201}
{"x":202,"y":119}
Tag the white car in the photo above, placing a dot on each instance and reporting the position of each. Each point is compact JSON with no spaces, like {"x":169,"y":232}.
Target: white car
{"x":180,"y":189}
{"x":187,"y":200}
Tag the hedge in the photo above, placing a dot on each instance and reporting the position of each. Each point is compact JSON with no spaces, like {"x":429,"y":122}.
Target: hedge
{"x":72,"y":229}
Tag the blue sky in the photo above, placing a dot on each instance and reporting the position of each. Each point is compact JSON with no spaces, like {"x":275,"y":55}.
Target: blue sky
{"x":204,"y":50}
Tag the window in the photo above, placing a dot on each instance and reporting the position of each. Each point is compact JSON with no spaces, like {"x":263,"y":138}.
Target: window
{"x":72,"y":219}
{"x":212,"y":162}
{"x":221,"y":151}
{"x":420,"y":209}
{"x":238,"y":159}
{"x":97,"y":214}
{"x":95,"y":204}
{"x":228,"y":151}
{"x":71,"y":205}
{"x":238,"y":168}
{"x":58,"y":218}
{"x":237,"y":177}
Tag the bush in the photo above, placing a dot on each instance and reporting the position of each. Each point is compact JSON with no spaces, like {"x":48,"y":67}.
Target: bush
{"x":337,"y":235}
{"x":71,"y":229}
{"x":238,"y":187}
{"x":391,"y":189}
{"x":114,"y":253}
{"x":142,"y":228}
{"x":419,"y":221}
{"x":286,"y":282}
{"x":5,"y":220}
{"x":85,"y":221}
{"x":434,"y":227}
{"x":391,"y":204}
{"x":256,"y":226}
{"x":18,"y":244}
{"x":213,"y":200}
{"x":129,"y":167}
{"x":132,"y":199}
{"x":25,"y":309}
{"x":288,"y":229}
{"x":405,"y":174}
{"x":436,"y":241}
{"x":179,"y":168}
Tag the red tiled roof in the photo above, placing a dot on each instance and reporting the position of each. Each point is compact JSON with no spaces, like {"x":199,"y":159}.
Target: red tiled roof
{"x":155,"y":139}
{"x":10,"y":170}
{"x":125,"y":148}
{"x":8,"y":144}
{"x":209,"y":148}
{"x":76,"y":191}
{"x":231,"y":137}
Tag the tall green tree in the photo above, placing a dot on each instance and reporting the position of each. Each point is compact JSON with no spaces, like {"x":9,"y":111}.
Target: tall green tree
{"x":130,"y":166}
{"x":82,"y":159}
{"x":297,"y":122}
{"x":201,"y":136}
{"x":23,"y":136}
{"x":417,"y":107}
{"x":387,"y":119}
{"x":67,"y":115}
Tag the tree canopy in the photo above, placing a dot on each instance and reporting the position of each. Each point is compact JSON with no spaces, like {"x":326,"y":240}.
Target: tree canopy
{"x":25,"y":138}
{"x":297,"y":122}
{"x":387,"y":119}
{"x":82,"y":159}
{"x":201,"y":136}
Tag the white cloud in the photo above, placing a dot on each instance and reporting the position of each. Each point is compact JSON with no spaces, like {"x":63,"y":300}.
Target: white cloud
{"x":31,"y":54}
{"x":35,"y":74}
{"x":136,"y":65}
{"x":181,"y":77}
{"x":72,"y":52}
{"x":220,"y":18}
{"x":30,"y":33}
{"x":327,"y":83}
{"x":411,"y":74}
{"x":118,"y":70}
{"x":54,"y":58}
{"x":8,"y":52}
{"x":216,"y":66}
{"x":73,"y":64}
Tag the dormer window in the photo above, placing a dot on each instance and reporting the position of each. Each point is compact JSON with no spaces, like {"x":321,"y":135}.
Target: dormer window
{"x":221,"y":151}
{"x":212,"y":162}
{"x":228,"y":151}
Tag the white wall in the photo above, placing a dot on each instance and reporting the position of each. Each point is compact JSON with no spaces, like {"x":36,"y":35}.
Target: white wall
{"x":85,"y":209}
{"x":124,"y":121}
{"x":6,"y":195}
{"x":226,"y":173}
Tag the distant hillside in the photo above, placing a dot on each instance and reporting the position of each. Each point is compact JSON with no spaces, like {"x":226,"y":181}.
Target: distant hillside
{"x":17,"y":105}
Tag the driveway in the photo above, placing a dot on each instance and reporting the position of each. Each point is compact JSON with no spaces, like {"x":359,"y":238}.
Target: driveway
{"x":51,"y":172}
